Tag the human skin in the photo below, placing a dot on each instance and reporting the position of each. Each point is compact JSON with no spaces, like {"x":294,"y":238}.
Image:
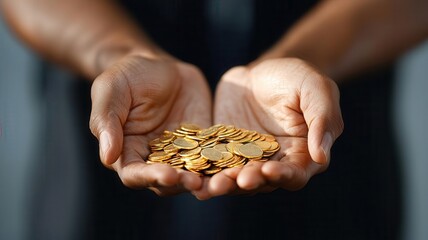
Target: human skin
{"x":338,"y":39}
{"x":334,"y":40}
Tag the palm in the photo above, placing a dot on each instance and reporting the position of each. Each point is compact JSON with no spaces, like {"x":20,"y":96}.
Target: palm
{"x":150,"y":97}
{"x":269,"y":99}
{"x":163,"y":98}
{"x":250,"y":103}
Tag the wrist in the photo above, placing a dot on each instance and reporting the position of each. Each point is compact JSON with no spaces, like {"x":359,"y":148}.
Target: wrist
{"x":111,"y":50}
{"x":108,"y":56}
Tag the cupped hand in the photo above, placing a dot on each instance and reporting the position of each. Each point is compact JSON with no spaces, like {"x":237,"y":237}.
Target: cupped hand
{"x":133,"y":102}
{"x":290,"y":100}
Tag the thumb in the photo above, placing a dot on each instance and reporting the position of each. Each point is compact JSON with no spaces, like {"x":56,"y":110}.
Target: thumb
{"x":107,"y":117}
{"x":321,"y":110}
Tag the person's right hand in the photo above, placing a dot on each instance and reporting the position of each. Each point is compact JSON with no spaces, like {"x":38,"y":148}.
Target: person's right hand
{"x":133,"y":102}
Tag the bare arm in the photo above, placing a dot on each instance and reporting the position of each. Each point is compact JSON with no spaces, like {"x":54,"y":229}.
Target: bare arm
{"x":86,"y":36}
{"x":137,"y":92}
{"x":345,"y":37}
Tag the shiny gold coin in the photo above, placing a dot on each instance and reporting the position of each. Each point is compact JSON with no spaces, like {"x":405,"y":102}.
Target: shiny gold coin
{"x":191,"y":152}
{"x":159,"y":156}
{"x":154,"y":142}
{"x":183,"y":143}
{"x":170,"y":149}
{"x":190,"y":158}
{"x":255,"y":138}
{"x":264,"y":145}
{"x":220,"y":147}
{"x":209,"y":142}
{"x":211,"y":154}
{"x":195,"y":137}
{"x":179,"y":134}
{"x":231,"y":146}
{"x":212,"y":170}
{"x":226,"y":156}
{"x":208,"y":132}
{"x":269,"y":137}
{"x":208,"y":151}
{"x":190,"y":127}
{"x":186,"y":133}
{"x":250,"y":150}
{"x":274,"y":146}
{"x":167,"y":137}
{"x":238,"y":163}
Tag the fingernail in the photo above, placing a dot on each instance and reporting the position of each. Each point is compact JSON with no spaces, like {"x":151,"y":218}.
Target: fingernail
{"x":327,"y":142}
{"x":104,"y":144}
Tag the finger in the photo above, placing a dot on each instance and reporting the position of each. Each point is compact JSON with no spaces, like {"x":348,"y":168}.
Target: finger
{"x":200,"y":113}
{"x":202,"y":193}
{"x":284,"y":174}
{"x":190,"y":181}
{"x":230,"y":88}
{"x":110,"y":105}
{"x":321,"y":110}
{"x":167,"y":191}
{"x":224,"y":182}
{"x":137,"y":175}
{"x":251,"y":177}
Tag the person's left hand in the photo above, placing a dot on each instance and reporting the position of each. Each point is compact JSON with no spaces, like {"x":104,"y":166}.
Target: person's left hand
{"x":286,"y":98}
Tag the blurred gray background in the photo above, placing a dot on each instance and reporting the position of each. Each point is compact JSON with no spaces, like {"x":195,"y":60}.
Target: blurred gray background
{"x":21,"y":114}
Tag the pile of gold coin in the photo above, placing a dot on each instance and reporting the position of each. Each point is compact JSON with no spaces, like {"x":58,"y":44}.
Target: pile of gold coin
{"x":208,"y":151}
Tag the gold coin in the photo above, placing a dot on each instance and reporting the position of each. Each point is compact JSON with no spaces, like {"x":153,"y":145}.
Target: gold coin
{"x":179,"y":134}
{"x":264,"y":145}
{"x":274,"y":146}
{"x":190,"y":127}
{"x":195,"y":137}
{"x":208,"y":132}
{"x":255,"y":137}
{"x":154,"y":142}
{"x":209,"y":142}
{"x":208,"y":151}
{"x":212,"y":170}
{"x":159,"y":156}
{"x":191,"y":152}
{"x":211,"y":154}
{"x":250,"y":150}
{"x":269,"y":137}
{"x":226,"y":156}
{"x":186,"y":133}
{"x":183,"y":143}
{"x":231,"y":146}
{"x":190,"y":158}
{"x":167,"y":137}
{"x":221,"y":147}
{"x":170,"y":149}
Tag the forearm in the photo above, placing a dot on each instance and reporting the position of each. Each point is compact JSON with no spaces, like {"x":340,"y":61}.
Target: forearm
{"x":346,"y":37}
{"x":86,"y":36}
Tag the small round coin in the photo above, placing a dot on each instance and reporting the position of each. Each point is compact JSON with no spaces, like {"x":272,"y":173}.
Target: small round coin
{"x":264,"y":145}
{"x":183,"y":143}
{"x":221,"y":147}
{"x":211,"y":154}
{"x":191,"y":152}
{"x":250,"y":150}
{"x":190,"y":127}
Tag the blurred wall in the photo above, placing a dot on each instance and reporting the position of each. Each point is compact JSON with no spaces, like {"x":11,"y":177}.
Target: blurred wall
{"x":20,"y":114}
{"x":411,"y":122}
